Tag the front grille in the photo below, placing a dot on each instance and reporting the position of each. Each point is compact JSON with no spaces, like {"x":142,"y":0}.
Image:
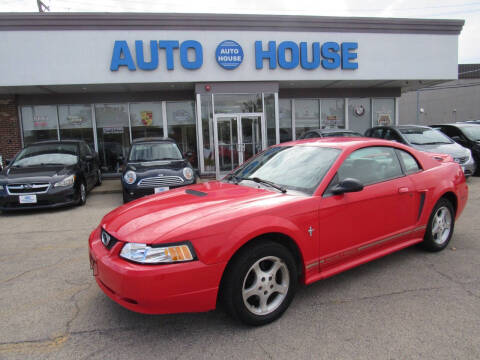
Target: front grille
{"x":35,"y":188}
{"x":161,"y":181}
{"x":461,"y":160}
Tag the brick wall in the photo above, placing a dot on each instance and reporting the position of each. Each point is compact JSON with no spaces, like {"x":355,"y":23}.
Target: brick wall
{"x":10,"y":141}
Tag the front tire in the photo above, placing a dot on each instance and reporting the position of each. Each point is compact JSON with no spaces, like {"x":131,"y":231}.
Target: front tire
{"x":440,"y":226}
{"x":260,"y":283}
{"x":82,"y":193}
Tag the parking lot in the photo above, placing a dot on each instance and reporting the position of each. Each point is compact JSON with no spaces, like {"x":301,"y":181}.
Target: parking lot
{"x":408,"y":305}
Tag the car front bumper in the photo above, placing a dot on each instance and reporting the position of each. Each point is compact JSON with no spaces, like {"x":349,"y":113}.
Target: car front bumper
{"x":54,"y":197}
{"x":133,"y":192}
{"x":154,"y":289}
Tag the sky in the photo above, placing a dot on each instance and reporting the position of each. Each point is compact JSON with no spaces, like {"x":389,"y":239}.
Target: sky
{"x":469,"y":40}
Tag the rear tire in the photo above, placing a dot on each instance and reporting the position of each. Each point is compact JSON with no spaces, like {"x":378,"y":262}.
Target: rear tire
{"x":260,"y":283}
{"x":440,"y":226}
{"x":99,"y":178}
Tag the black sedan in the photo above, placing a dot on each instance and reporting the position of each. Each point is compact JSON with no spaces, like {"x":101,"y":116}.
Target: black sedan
{"x":321,"y":133}
{"x":49,"y":174}
{"x":466,"y":134}
{"x":154,"y":165}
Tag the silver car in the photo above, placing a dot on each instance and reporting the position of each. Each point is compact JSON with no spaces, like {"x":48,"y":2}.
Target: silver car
{"x":426,"y":139}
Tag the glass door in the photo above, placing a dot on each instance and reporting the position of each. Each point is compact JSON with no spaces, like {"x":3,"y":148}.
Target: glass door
{"x":227,"y":144}
{"x":237,"y":138}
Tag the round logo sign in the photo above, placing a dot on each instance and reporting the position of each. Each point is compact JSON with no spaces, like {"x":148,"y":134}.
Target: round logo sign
{"x":229,"y":54}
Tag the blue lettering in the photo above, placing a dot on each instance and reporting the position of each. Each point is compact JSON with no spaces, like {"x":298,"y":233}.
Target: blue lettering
{"x":153,"y":64}
{"x":330,"y":54}
{"x":168,"y":45}
{"x":121,"y":56}
{"x":310,"y":65}
{"x":269,"y":54}
{"x":197,"y":48}
{"x":347,"y":55}
{"x":282,"y":59}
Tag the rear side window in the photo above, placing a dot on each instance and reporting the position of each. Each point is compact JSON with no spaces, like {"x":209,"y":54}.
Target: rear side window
{"x":409,"y":162}
{"x":392,"y":135}
{"x":371,"y":165}
{"x":376,"y":133}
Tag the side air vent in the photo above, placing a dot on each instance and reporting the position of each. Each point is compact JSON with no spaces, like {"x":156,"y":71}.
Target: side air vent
{"x":195,"y":193}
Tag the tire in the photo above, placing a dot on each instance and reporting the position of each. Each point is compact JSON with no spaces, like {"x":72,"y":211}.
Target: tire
{"x":99,"y":178}
{"x":126,"y":198}
{"x":82,"y":193}
{"x":260,"y":283}
{"x":440,"y":226}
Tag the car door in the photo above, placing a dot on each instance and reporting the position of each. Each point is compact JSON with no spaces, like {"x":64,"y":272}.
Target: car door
{"x":355,"y":222}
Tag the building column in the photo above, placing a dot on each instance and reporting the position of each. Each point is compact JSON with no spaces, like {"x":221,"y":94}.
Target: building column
{"x":10,"y":134}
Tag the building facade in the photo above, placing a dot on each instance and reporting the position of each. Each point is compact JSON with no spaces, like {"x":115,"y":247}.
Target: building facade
{"x":223,"y":86}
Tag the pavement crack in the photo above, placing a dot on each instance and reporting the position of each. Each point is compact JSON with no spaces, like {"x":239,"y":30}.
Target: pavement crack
{"x":29,"y":345}
{"x":4,"y":281}
{"x":394,"y":293}
{"x":77,"y":308}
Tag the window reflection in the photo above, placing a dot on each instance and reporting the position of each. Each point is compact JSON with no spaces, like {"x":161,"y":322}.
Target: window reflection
{"x":182,"y":128}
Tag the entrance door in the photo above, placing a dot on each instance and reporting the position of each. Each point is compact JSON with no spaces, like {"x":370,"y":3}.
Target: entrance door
{"x":237,"y":137}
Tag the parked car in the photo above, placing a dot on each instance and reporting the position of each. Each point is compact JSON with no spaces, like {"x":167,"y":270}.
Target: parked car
{"x":466,"y":134}
{"x":298,"y":212}
{"x":426,"y":139}
{"x":154,"y":165}
{"x":321,"y":133}
{"x":49,"y":174}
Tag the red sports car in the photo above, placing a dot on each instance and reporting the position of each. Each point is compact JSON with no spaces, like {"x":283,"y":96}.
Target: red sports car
{"x":298,"y":212}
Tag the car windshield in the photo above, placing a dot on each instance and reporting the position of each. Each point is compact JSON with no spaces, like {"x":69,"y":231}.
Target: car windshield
{"x":341,"y":134}
{"x":47,"y":154}
{"x":472,"y":132}
{"x":299,"y":168}
{"x":155,"y":152}
{"x":425,"y":136}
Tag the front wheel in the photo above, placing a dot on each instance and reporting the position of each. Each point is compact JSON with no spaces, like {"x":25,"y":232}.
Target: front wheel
{"x":82,"y":193}
{"x":260,"y":283}
{"x":440,"y":226}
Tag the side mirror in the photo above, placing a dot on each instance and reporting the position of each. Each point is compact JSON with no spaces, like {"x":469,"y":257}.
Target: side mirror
{"x":347,"y":185}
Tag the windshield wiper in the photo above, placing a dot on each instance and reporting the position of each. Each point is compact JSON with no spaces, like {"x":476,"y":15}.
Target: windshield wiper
{"x":259,"y":181}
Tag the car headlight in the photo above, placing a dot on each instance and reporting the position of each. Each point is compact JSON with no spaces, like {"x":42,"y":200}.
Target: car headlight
{"x":130,"y":177}
{"x":68,"y":181}
{"x":144,"y":254}
{"x":188,"y":173}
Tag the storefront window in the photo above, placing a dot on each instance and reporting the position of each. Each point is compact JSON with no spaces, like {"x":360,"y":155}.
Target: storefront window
{"x":207,"y":129}
{"x":383,"y":112}
{"x":39,"y":123}
{"x":238,"y":103}
{"x":307,"y":115}
{"x":76,"y":123}
{"x":270,"y":118}
{"x":112,"y":134}
{"x":285,"y":118}
{"x":182,"y":128}
{"x":359,"y":114}
{"x":146,"y":119}
{"x":332,"y":113}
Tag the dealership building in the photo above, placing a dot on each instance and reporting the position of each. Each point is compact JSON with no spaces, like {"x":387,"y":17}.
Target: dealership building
{"x":223,"y":86}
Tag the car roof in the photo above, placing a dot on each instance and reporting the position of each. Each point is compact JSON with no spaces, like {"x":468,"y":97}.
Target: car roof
{"x":459,"y":124}
{"x":344,"y":142}
{"x":331,"y":131}
{"x":57,"y":142}
{"x":152,"y":139}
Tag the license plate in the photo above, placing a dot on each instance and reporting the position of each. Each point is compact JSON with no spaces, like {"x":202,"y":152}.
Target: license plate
{"x":161,"y":189}
{"x":27,"y":199}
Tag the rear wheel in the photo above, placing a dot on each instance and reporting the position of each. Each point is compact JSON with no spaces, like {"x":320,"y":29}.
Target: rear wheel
{"x":99,"y":178}
{"x":260,"y":283}
{"x":440,"y":226}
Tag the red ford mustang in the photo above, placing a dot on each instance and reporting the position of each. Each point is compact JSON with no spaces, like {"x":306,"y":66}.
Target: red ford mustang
{"x":299,"y":211}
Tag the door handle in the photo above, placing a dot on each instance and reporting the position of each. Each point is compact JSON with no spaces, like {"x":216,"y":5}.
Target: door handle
{"x":403,"y":190}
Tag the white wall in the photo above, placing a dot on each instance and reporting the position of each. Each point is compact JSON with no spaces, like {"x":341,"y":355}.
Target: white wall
{"x":83,"y":57}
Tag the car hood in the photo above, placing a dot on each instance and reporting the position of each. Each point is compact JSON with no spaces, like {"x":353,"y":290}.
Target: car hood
{"x":454,"y":150}
{"x":150,"y":219}
{"x":157,"y":165}
{"x":35,"y":173}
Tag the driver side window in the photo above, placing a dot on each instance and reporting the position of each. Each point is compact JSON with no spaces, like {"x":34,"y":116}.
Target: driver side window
{"x":371,"y":165}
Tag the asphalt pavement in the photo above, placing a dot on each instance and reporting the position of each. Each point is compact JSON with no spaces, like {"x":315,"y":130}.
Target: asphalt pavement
{"x":408,"y":305}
